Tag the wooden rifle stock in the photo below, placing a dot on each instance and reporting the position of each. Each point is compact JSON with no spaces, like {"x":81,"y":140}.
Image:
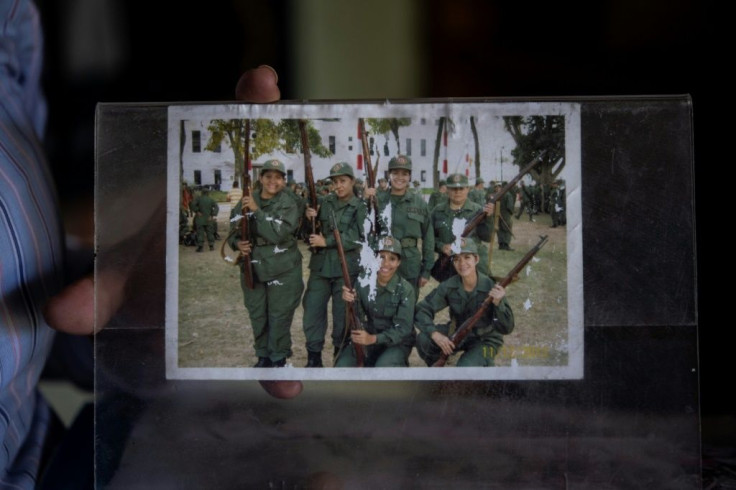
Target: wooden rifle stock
{"x":464,"y":329}
{"x":244,"y":225}
{"x":352,"y":313}
{"x":443,"y":267}
{"x":370,"y":174}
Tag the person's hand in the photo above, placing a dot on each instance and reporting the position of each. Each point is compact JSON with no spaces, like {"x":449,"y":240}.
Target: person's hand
{"x":361,"y":337}
{"x":244,"y":247}
{"x":348,"y":295}
{"x":250,"y":203}
{"x":423,"y":282}
{"x":310,"y":213}
{"x":369,"y":192}
{"x":497,"y":293}
{"x":443,"y":342}
{"x":317,"y":241}
{"x":488,"y":208}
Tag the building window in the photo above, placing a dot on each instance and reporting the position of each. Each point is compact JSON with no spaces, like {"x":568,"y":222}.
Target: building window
{"x":424,"y":176}
{"x":332,"y":145}
{"x":423,"y":147}
{"x":408,"y":146}
{"x":218,"y":179}
{"x":371,"y":144}
{"x":196,"y":141}
{"x":423,"y":121}
{"x":197,"y":177}
{"x":385,"y":149}
{"x":289,"y":176}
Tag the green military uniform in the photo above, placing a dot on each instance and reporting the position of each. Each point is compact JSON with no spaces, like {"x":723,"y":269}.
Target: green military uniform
{"x":505,"y":225}
{"x":410,"y":224}
{"x":482,"y":344}
{"x":437,"y":197}
{"x":476,"y":195}
{"x":557,"y":204}
{"x":389,"y":315}
{"x":205,"y":211}
{"x":443,"y":218}
{"x":277,"y":267}
{"x":527,"y":202}
{"x":325,"y":271}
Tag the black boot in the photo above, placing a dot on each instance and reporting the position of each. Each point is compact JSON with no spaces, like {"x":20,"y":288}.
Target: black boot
{"x":199,"y":249}
{"x":314,"y":359}
{"x":263,"y":362}
{"x":279,"y":363}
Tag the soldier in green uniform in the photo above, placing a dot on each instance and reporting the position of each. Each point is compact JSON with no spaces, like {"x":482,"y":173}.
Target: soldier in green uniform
{"x":409,"y":222}
{"x":527,"y":202}
{"x":325,"y":272}
{"x":438,"y":196}
{"x":478,"y":194}
{"x":386,"y":309}
{"x":463,"y":294}
{"x":557,"y":202}
{"x":506,"y":205}
{"x":382,"y":187}
{"x":277,"y":263}
{"x":459,"y":207}
{"x":205,"y":211}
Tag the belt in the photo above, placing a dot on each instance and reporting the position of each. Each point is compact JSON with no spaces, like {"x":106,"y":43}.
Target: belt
{"x":408,"y":242}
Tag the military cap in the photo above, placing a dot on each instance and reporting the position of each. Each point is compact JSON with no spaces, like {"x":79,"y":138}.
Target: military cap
{"x":442,"y":182}
{"x":416,"y":183}
{"x":274,"y":165}
{"x":480,"y":180}
{"x":455,"y":181}
{"x":342,"y":168}
{"x":400,"y":161}
{"x":466,"y":247}
{"x":381,"y":180}
{"x":390,"y":244}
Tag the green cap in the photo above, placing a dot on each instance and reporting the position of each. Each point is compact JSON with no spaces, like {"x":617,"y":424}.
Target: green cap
{"x":479,"y":180}
{"x":390,"y":244}
{"x":342,"y":168}
{"x":442,"y":182}
{"x":274,"y":165}
{"x":400,"y":161}
{"x":416,"y":183}
{"x":455,"y":181}
{"x":467,"y":246}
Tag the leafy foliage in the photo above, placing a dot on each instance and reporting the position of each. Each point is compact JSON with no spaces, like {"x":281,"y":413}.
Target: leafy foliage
{"x":389,"y":125}
{"x":534,"y":134}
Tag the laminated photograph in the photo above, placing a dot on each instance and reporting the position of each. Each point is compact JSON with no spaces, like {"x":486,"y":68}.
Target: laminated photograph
{"x":430,"y":240}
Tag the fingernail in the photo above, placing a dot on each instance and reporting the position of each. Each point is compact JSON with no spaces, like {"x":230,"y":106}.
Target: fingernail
{"x":276,"y":75}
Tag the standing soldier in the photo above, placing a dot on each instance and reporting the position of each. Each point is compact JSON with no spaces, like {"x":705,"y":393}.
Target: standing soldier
{"x":205,"y":211}
{"x":478,"y":194}
{"x":506,"y":203}
{"x":386,"y":308}
{"x":409,"y":223}
{"x":459,"y":206}
{"x":438,"y":196}
{"x":277,"y":263}
{"x":464,"y":293}
{"x":557,"y":203}
{"x":325,"y":273}
{"x":526,"y":202}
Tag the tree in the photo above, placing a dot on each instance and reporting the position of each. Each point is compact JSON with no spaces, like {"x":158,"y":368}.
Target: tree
{"x":389,"y":125}
{"x":269,"y":136}
{"x":534,"y":134}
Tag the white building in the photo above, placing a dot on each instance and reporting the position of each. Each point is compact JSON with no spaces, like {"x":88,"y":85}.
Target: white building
{"x":216,"y":168}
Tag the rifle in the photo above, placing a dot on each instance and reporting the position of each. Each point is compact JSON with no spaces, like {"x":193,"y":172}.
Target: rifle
{"x":464,"y":329}
{"x":308,"y":175}
{"x":353,"y":321}
{"x":442,"y":269}
{"x":244,"y":224}
{"x":370,"y":173}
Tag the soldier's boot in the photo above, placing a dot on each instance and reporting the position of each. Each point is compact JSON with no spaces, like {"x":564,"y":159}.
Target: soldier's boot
{"x":279,"y":363}
{"x":314,"y":359}
{"x":199,"y":249}
{"x":212,"y":247}
{"x":263,"y":362}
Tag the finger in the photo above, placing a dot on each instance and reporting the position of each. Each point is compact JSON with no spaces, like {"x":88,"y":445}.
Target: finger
{"x":258,"y":85}
{"x":282,"y":389}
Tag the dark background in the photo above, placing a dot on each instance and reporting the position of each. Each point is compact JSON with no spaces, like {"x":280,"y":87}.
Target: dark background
{"x":180,"y":51}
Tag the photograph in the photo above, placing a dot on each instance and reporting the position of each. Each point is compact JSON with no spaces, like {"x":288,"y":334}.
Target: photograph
{"x":418,"y":239}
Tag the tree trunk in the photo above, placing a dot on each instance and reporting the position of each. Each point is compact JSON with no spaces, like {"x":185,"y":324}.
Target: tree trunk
{"x":437,"y":146}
